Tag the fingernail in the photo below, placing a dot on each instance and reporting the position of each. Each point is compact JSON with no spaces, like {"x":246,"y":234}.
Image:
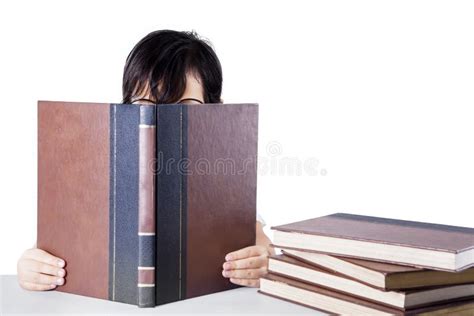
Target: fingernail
{"x":61,"y":273}
{"x":224,"y":273}
{"x":60,"y":281}
{"x":61,"y":263}
{"x":227,"y":266}
{"x":52,"y":286}
{"x":228,"y":257}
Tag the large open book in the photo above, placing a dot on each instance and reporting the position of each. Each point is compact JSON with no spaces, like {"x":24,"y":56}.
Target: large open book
{"x":144,"y":201}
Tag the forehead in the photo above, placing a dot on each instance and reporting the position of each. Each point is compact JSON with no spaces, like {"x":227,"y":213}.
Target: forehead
{"x":194,"y":87}
{"x":194,"y":90}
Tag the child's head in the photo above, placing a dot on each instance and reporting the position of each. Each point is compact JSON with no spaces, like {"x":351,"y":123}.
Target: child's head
{"x":167,"y":66}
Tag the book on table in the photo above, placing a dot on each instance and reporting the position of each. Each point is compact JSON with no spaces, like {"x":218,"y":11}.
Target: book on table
{"x":144,"y":201}
{"x":339,"y":303}
{"x":402,"y":299}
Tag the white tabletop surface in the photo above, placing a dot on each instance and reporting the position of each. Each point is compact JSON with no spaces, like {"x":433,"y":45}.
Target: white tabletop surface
{"x":14,"y":300}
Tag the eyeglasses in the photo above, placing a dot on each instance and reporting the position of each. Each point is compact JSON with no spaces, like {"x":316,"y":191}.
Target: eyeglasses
{"x":182,"y":101}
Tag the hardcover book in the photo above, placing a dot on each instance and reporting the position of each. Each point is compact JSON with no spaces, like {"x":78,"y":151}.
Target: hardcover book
{"x":385,"y":276}
{"x":423,"y":245}
{"x":407,"y":299}
{"x":144,"y":201}
{"x":333,"y":302}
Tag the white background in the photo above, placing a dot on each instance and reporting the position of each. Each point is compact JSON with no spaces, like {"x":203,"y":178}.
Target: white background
{"x":380,"y":93}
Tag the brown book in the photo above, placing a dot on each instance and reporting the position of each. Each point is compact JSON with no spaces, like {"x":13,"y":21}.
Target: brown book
{"x":144,"y":201}
{"x":383,"y":275}
{"x":424,"y":245}
{"x":333,"y":302}
{"x":296,"y":269}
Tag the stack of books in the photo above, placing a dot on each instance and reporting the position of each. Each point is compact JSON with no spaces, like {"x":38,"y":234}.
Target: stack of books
{"x":361,"y":265}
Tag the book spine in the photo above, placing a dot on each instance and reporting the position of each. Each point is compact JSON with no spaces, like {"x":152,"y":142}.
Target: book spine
{"x":123,"y":213}
{"x":146,"y":207}
{"x":171,"y":205}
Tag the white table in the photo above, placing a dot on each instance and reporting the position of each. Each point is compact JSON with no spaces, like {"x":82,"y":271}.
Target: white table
{"x":15,"y":300}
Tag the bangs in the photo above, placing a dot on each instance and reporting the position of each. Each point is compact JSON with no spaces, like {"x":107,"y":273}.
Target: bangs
{"x":157,"y":67}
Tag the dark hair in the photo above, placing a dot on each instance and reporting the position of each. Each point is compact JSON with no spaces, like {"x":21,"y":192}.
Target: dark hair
{"x":160,"y":61}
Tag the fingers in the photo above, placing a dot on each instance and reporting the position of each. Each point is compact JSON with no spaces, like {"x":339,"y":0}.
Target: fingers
{"x":36,"y":266}
{"x":44,"y":257}
{"x":246,"y":266}
{"x":36,"y":287}
{"x":245,"y":273}
{"x":251,"y":251}
{"x":39,"y":278}
{"x":247,"y":263}
{"x":39,"y":271}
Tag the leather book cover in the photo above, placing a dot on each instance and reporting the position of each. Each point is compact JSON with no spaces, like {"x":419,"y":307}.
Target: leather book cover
{"x":206,"y":191}
{"x":328,"y":301}
{"x":88,"y":196}
{"x":73,"y":192}
{"x":433,"y":237}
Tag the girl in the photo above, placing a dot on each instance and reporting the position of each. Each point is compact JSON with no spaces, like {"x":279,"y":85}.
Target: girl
{"x":164,"y":67}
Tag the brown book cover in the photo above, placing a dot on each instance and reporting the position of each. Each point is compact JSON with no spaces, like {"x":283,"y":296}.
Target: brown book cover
{"x":333,"y":302}
{"x":409,"y":299}
{"x":144,"y":201}
{"x":424,"y":245}
{"x":383,"y":275}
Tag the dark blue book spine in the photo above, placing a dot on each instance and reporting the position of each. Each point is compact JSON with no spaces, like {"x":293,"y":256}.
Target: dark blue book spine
{"x":124,"y":187}
{"x":171,"y":138}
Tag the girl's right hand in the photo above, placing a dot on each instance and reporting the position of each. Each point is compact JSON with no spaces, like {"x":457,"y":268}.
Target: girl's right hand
{"x":38,"y":270}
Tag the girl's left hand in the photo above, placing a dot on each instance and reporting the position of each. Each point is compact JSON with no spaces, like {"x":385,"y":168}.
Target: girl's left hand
{"x":247,"y":265}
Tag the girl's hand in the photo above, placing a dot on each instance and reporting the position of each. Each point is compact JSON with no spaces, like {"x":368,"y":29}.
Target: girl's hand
{"x":247,"y":265}
{"x":40,"y":271}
